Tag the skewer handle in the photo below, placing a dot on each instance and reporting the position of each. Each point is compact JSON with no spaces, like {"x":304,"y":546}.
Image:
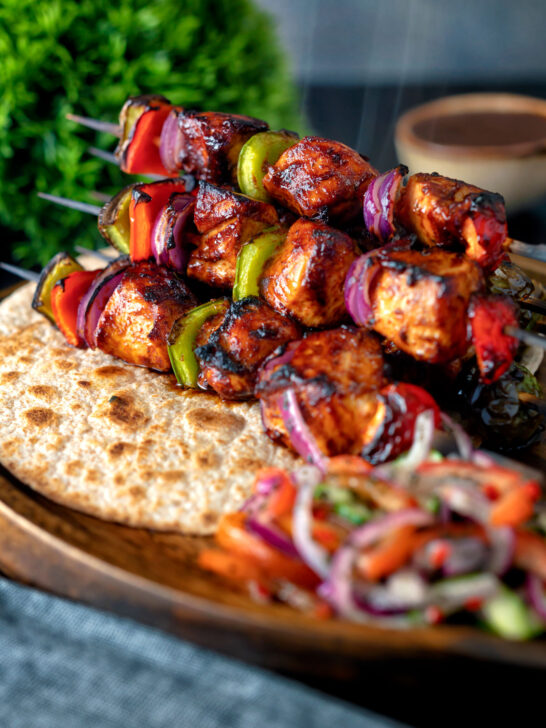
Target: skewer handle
{"x":96,"y":124}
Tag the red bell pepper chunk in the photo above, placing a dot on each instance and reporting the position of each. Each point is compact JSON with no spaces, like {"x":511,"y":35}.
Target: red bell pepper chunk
{"x":65,"y":299}
{"x":142,"y":154}
{"x":147,"y":202}
{"x":391,"y":431}
{"x":495,"y":350}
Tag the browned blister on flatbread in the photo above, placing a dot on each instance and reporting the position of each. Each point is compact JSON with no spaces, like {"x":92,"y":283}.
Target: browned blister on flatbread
{"x":120,"y":442}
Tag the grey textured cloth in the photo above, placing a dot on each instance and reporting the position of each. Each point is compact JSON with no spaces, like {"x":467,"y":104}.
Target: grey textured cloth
{"x":63,"y":665}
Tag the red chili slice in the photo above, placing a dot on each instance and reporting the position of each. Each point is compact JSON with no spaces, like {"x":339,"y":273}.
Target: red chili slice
{"x":142,"y":153}
{"x":146,"y":204}
{"x":65,"y":299}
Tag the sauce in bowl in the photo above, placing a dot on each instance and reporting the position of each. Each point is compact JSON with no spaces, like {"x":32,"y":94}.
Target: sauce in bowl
{"x":482,"y":129}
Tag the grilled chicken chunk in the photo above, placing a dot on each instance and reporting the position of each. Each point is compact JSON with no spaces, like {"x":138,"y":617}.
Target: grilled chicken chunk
{"x":227,"y":220}
{"x":139,"y":315}
{"x":444,"y":211}
{"x":335,"y":376}
{"x":320,"y":178}
{"x":212,"y":142}
{"x":231,"y":346}
{"x":305,"y":277}
{"x":420,"y":299}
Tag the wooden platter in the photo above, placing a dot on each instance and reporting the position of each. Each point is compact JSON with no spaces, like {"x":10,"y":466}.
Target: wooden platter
{"x":152,"y":577}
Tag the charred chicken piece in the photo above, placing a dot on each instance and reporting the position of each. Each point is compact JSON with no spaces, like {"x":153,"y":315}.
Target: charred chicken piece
{"x":305,"y":277}
{"x":139,"y":315}
{"x":211,"y":142}
{"x":419,"y":301}
{"x":227,"y":220}
{"x":444,"y":211}
{"x":320,"y":178}
{"x":335,"y":376}
{"x":232,"y":346}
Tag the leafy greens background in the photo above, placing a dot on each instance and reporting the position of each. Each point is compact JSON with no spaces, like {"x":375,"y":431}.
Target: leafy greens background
{"x":86,"y":57}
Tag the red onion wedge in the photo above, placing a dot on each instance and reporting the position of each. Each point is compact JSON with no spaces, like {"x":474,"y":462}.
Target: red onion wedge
{"x":168,"y":245}
{"x":92,"y":304}
{"x":301,"y":437}
{"x":171,"y":142}
{"x":380,"y":200}
{"x":357,"y":287}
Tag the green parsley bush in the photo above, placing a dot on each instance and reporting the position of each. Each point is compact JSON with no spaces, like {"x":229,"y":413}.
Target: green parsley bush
{"x":86,"y":57}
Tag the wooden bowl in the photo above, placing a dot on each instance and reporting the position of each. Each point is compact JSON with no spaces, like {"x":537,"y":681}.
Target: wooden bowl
{"x":516,"y":169}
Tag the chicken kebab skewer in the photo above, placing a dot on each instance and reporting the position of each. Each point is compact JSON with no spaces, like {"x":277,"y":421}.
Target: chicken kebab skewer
{"x":157,"y":137}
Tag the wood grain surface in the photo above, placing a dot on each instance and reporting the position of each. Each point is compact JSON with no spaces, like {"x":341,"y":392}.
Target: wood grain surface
{"x":153,"y":577}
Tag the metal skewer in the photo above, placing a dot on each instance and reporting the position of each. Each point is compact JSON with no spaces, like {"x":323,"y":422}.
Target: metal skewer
{"x":101,"y":154}
{"x":95,"y":253}
{"x":96,"y":124}
{"x":26,"y":275}
{"x":526,"y":336}
{"x":74,"y":204}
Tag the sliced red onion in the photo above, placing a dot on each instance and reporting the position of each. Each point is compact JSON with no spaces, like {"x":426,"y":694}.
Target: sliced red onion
{"x":273,"y":536}
{"x":358,"y":281}
{"x":314,"y":555}
{"x":171,"y":143}
{"x":503,"y":548}
{"x":466,"y":555}
{"x":301,"y":437}
{"x":536,"y":595}
{"x":404,"y":591}
{"x":168,"y":245}
{"x":423,"y":435}
{"x":462,"y":440}
{"x":340,"y":578}
{"x":372,"y":531}
{"x":380,"y":201}
{"x":92,"y":304}
{"x":466,"y":500}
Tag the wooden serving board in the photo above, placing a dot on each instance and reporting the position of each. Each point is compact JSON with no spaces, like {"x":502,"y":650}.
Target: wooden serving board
{"x":153,"y":577}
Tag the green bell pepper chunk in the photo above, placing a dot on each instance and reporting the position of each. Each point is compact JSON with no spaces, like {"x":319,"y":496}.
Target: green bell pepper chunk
{"x":256,"y":156}
{"x":251,"y":260}
{"x":182,"y":340}
{"x":113,"y":222}
{"x":59,"y":267}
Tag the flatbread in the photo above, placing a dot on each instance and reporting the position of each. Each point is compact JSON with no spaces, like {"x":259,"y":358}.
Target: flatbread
{"x":117,"y":441}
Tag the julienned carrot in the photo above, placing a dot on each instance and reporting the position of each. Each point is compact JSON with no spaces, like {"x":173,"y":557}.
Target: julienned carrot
{"x":530,"y":553}
{"x":348,"y":465}
{"x":391,"y":554}
{"x":231,"y":566}
{"x":282,"y":499}
{"x":515,"y":507}
{"x":233,"y":536}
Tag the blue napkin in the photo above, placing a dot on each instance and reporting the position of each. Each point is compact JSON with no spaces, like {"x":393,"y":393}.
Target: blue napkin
{"x":64,"y":665}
